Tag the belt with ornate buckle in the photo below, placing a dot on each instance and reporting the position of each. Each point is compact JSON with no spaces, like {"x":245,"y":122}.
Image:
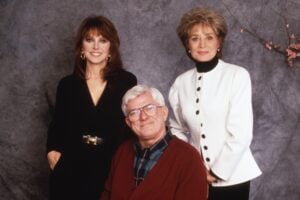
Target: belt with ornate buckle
{"x":93,"y":140}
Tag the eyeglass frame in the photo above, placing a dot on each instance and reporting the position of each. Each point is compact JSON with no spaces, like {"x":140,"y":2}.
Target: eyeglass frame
{"x":142,"y":109}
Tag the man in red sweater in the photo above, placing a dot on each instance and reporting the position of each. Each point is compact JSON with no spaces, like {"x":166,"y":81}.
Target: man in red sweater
{"x":155,"y":165}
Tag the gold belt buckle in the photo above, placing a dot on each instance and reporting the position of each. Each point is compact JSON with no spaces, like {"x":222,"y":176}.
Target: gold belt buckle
{"x":93,"y":140}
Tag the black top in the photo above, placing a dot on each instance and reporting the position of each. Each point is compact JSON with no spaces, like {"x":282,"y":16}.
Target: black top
{"x":76,"y":115}
{"x":203,"y":67}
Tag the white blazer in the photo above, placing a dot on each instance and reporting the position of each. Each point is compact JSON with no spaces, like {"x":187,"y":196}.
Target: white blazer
{"x":213,"y":112}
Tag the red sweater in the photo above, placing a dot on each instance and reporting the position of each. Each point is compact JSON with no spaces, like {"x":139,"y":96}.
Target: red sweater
{"x":178,"y":174}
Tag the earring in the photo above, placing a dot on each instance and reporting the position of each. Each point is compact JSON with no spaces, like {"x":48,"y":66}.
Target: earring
{"x":189,"y":51}
{"x":82,"y":56}
{"x":218,"y":50}
{"x":108,"y":58}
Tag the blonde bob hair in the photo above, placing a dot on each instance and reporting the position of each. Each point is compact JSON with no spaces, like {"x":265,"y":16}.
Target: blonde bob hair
{"x":206,"y":17}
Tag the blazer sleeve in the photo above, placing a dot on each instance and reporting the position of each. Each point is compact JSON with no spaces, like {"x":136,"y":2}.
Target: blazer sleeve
{"x":176,"y":122}
{"x":56,"y":128}
{"x":239,"y":126}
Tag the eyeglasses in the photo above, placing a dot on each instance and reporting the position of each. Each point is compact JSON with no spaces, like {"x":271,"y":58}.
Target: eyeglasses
{"x":149,"y":110}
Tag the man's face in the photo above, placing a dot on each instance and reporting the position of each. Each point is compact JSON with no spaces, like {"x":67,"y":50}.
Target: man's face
{"x":146,"y":118}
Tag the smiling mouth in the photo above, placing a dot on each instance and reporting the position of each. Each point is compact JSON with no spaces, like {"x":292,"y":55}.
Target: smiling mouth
{"x":146,"y":124}
{"x":95,"y":54}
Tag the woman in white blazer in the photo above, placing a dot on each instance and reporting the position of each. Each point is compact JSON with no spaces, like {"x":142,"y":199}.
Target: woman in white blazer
{"x":212,"y":107}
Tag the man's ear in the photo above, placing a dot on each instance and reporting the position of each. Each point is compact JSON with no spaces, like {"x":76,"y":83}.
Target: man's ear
{"x":127,"y":122}
{"x":165,"y":112}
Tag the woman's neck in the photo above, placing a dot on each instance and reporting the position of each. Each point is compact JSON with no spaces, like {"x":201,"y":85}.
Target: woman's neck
{"x":94,"y":72}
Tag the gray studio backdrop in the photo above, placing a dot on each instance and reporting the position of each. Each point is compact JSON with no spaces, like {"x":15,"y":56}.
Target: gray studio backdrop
{"x":36,"y":42}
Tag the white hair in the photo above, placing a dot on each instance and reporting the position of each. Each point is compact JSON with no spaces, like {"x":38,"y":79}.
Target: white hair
{"x":136,"y":91}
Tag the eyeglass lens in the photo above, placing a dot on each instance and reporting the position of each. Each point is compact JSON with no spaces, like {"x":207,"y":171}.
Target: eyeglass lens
{"x":149,"y":109}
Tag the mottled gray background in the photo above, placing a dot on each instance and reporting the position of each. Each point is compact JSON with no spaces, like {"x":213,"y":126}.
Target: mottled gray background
{"x":36,"y":42}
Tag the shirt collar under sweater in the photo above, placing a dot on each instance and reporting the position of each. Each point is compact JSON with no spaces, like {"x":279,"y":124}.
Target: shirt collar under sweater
{"x":203,"y":67}
{"x":146,"y":158}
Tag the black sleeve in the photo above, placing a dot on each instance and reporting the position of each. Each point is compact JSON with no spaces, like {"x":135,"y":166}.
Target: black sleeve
{"x":129,"y":80}
{"x":56,"y":128}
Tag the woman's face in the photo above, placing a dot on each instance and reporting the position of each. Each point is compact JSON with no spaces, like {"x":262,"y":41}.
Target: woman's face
{"x":96,"y":49}
{"x":203,"y":43}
